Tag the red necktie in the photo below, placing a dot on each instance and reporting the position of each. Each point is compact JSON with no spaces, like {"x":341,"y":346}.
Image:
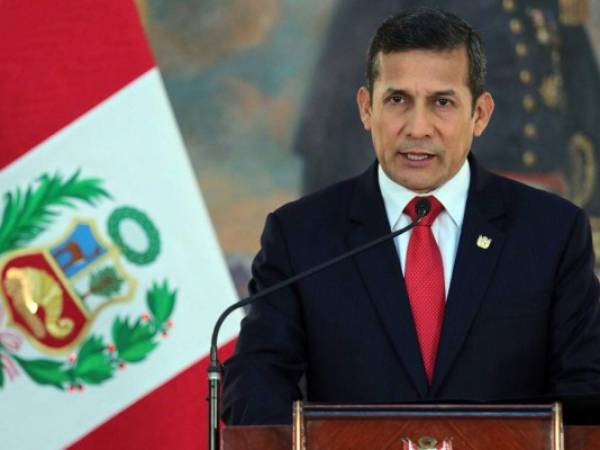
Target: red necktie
{"x":424,"y":278}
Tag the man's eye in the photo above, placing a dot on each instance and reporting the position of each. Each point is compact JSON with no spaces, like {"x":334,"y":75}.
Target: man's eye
{"x":396,"y":99}
{"x":443,"y":101}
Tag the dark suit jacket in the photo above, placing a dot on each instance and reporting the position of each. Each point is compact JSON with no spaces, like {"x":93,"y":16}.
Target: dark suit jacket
{"x":522,"y":317}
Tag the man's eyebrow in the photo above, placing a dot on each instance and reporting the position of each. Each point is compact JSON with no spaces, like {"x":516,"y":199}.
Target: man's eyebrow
{"x":394,"y":91}
{"x":405,"y":93}
{"x":445,"y":93}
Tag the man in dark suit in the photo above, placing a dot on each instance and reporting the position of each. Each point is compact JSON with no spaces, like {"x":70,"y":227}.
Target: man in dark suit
{"x":542,"y":72}
{"x":505,"y":304}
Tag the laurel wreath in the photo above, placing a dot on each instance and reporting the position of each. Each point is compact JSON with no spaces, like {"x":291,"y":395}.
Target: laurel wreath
{"x":137,"y":216}
{"x":28,"y":214}
{"x":97,"y":361}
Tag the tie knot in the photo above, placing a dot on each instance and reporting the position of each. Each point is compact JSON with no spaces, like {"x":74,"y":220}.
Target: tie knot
{"x":436,"y":208}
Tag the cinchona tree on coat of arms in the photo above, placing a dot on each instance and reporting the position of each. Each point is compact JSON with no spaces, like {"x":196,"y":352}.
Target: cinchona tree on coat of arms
{"x":51,"y":294}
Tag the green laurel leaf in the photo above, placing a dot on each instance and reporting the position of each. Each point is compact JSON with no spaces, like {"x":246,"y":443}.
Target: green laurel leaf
{"x":94,"y":369}
{"x":161,"y":300}
{"x":93,"y":362}
{"x":133,"y":342}
{"x":44,"y":371}
{"x":93,"y":345}
{"x":138,"y":351}
{"x":28,"y":214}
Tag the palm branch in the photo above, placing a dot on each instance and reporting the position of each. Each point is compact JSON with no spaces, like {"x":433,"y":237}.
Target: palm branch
{"x":28,"y":214}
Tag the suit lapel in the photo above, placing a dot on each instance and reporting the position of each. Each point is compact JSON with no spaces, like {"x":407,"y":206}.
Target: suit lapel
{"x":473,"y":269}
{"x":380,"y":270}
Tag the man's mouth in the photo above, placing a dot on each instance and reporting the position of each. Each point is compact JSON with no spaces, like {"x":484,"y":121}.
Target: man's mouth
{"x":417,"y":156}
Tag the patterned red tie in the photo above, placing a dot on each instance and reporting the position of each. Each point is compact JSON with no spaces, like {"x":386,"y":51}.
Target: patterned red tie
{"x":424,"y":278}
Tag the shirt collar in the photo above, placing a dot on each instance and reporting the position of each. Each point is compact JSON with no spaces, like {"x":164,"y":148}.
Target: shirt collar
{"x":452,"y":195}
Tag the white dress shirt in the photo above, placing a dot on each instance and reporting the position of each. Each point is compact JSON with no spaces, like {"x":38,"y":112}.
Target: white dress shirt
{"x":447,"y":225}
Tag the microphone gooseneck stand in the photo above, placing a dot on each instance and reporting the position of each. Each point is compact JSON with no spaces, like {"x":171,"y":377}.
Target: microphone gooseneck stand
{"x":422,"y":208}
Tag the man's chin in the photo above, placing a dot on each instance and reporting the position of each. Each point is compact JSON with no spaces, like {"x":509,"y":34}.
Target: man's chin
{"x":416,"y":184}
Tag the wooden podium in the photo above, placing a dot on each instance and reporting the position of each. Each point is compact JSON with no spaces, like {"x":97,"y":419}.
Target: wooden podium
{"x":417,"y":427}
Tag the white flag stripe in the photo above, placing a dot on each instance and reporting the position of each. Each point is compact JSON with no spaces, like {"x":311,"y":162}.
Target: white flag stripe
{"x":131,"y":142}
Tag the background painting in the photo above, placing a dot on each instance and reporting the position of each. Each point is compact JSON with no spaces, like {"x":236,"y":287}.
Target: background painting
{"x":264,"y":94}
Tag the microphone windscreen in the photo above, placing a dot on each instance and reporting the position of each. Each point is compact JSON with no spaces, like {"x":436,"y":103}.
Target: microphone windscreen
{"x":422,"y":207}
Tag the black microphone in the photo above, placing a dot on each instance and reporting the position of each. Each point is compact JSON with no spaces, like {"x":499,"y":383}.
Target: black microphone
{"x":422,"y":208}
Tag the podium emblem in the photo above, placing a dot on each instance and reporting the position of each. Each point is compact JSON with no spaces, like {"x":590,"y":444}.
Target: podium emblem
{"x":427,"y":443}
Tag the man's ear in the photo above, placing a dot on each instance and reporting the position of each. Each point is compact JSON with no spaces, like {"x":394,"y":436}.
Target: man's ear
{"x":484,"y":107}
{"x":363,"y":99}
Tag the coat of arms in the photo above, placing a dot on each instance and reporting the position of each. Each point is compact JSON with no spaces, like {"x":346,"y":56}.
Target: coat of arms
{"x":51,"y":294}
{"x":426,"y":443}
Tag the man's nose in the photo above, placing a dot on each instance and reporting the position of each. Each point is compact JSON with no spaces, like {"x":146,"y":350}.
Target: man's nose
{"x":419,"y":123}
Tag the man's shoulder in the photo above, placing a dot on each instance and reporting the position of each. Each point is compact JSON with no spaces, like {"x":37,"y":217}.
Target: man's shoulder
{"x":529,"y":201}
{"x":333,"y":201}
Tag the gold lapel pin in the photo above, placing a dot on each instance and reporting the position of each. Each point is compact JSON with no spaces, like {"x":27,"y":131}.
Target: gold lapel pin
{"x":484,"y":242}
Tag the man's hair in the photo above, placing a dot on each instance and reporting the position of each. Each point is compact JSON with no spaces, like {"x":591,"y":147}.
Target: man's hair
{"x":428,"y":29}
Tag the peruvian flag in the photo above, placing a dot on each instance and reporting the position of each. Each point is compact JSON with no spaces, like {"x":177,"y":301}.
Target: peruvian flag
{"x":110,"y":273}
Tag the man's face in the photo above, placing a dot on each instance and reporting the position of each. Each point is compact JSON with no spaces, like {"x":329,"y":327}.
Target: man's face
{"x":421,"y":117}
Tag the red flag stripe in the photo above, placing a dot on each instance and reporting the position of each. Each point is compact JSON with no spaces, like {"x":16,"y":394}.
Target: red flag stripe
{"x":172,"y":416}
{"x":60,"y":59}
